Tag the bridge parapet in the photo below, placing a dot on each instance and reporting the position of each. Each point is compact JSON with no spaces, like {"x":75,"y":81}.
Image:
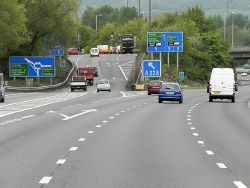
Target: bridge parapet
{"x":240,"y":52}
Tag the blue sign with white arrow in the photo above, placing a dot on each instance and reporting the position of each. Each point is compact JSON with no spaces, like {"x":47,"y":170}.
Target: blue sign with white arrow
{"x":31,"y":66}
{"x":151,"y":68}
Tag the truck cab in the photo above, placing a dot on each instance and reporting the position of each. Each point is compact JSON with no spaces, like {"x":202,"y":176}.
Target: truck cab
{"x":87,"y":72}
{"x":78,"y":82}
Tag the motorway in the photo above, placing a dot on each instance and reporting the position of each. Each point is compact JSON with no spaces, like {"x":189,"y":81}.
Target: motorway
{"x":123,"y":139}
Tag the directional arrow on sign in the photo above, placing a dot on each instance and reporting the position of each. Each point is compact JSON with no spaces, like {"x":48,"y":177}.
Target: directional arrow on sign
{"x":150,"y":64}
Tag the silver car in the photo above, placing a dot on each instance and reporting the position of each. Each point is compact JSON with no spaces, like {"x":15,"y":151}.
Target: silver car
{"x":103,"y":85}
{"x":2,"y":88}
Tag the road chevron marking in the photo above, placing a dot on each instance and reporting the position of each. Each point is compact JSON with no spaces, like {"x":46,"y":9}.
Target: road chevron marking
{"x":76,"y":115}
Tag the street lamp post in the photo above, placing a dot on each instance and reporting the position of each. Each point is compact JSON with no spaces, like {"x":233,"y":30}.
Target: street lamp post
{"x":96,"y":23}
{"x":224,"y":26}
{"x":233,"y":28}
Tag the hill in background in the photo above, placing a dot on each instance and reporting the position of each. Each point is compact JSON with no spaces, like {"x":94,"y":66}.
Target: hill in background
{"x":211,"y":7}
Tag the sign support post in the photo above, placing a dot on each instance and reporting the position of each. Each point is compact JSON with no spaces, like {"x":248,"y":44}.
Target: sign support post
{"x":168,"y":59}
{"x":177,"y":61}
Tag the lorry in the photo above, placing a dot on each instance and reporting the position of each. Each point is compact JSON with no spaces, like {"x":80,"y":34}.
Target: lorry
{"x":78,"y":82}
{"x":127,"y":43}
{"x":88,"y":73}
{"x":222,"y":84}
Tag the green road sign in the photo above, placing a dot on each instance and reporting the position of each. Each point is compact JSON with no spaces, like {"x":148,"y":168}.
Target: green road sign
{"x":19,"y":70}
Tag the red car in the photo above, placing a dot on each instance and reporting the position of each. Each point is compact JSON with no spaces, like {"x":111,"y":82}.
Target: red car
{"x":73,"y":51}
{"x":154,"y":87}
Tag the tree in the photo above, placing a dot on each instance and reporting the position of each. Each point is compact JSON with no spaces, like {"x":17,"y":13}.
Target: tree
{"x":13,"y":30}
{"x":51,"y":19}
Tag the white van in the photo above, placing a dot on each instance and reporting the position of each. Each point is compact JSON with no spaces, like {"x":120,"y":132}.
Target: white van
{"x":94,"y":52}
{"x":222,"y":84}
{"x":2,"y":88}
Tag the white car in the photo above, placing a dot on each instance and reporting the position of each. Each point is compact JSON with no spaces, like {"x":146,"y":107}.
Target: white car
{"x":94,"y":52}
{"x":243,"y":74}
{"x":103,"y":85}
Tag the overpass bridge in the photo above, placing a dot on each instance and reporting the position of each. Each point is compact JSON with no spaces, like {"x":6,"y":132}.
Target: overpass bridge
{"x":240,"y":53}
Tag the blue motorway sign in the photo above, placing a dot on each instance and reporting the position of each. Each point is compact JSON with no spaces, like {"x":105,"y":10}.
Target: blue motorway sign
{"x":56,"y":52}
{"x":31,"y":66}
{"x":151,"y":68}
{"x":164,"y":42}
{"x":181,"y":75}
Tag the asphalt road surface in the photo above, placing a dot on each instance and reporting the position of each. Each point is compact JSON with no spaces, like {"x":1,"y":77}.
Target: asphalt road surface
{"x":123,"y":139}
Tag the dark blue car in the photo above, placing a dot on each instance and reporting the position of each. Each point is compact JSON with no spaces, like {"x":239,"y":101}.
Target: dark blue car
{"x":170,"y":92}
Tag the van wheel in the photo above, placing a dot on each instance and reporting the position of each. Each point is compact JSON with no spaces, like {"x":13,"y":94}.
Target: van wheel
{"x":160,"y":101}
{"x":149,"y":93}
{"x":181,"y":101}
{"x":72,"y":89}
{"x":233,"y":100}
{"x":2,"y":100}
{"x":210,"y":99}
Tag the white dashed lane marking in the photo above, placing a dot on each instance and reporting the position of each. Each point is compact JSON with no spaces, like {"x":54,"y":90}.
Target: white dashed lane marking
{"x":239,"y":184}
{"x":192,"y":128}
{"x":221,"y":165}
{"x":29,"y":116}
{"x":81,"y":139}
{"x":209,"y":152}
{"x":61,"y":161}
{"x":73,"y":149}
{"x":45,"y":180}
{"x":201,"y":142}
{"x":105,"y":121}
{"x":98,"y":126}
{"x":90,"y":132}
{"x":195,"y":134}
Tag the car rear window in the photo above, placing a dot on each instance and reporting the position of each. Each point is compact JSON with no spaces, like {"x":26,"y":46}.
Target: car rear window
{"x":155,"y":83}
{"x":80,"y":78}
{"x":170,"y":86}
{"x":103,"y":82}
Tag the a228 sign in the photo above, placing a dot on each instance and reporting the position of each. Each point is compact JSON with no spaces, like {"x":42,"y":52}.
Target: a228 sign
{"x":151,"y":68}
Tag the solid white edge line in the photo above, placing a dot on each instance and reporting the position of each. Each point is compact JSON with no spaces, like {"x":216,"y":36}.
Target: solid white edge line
{"x":239,"y":184}
{"x":249,"y":105}
{"x":61,"y":161}
{"x":45,"y":180}
{"x":221,"y":165}
{"x":123,"y":73}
